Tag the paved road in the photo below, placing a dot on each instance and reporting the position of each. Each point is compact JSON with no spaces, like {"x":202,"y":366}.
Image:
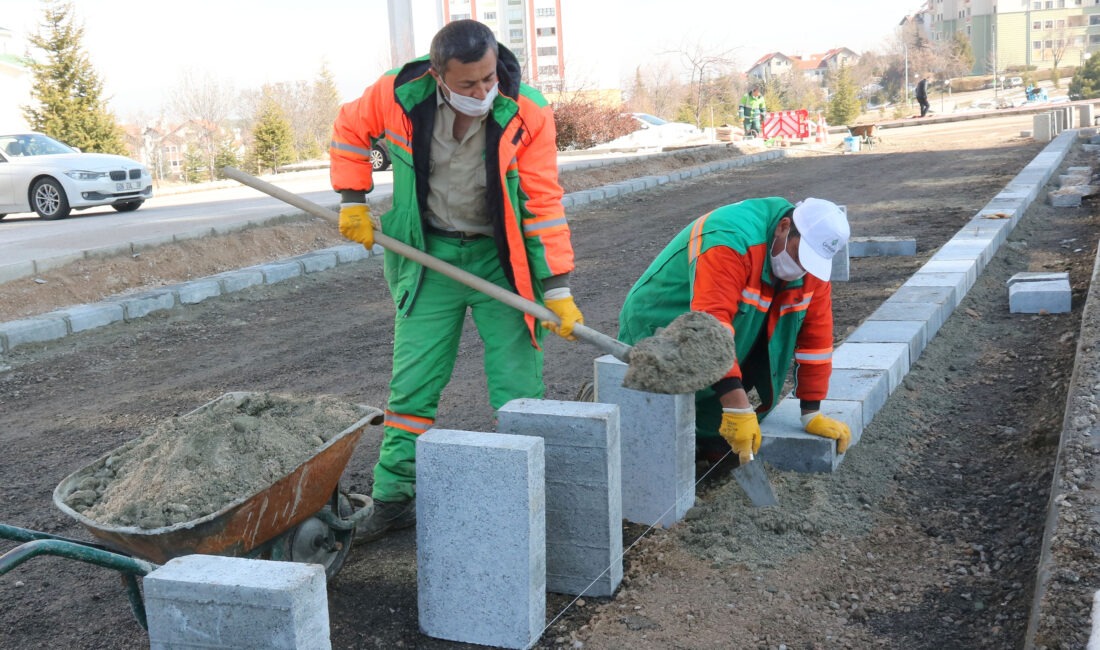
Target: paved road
{"x":28,"y":244}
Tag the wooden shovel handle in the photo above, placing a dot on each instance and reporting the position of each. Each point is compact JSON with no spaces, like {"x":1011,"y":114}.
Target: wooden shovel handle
{"x":605,"y":343}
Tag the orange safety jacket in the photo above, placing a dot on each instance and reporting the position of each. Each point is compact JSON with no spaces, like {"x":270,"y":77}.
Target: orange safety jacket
{"x":523,"y":194}
{"x":720,"y":264}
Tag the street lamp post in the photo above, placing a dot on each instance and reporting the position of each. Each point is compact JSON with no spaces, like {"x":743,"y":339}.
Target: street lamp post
{"x":905,"y":82}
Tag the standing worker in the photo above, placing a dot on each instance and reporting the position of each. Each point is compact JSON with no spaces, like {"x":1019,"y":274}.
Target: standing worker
{"x":762,"y":268}
{"x":921,"y":93}
{"x":752,"y":112}
{"x":475,"y":183}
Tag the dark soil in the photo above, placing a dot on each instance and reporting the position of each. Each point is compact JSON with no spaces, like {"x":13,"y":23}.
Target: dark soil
{"x":926,"y":537}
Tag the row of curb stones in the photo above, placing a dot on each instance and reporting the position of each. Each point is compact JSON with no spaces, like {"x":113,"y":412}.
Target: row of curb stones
{"x":132,"y":306}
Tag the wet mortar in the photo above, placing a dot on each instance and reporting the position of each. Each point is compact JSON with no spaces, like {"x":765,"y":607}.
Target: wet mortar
{"x":693,"y":352}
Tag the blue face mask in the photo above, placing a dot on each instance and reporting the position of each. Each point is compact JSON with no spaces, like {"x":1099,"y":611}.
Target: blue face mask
{"x":783,"y":265}
{"x":470,"y":106}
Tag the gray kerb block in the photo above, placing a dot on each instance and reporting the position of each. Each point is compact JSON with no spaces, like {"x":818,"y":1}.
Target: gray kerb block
{"x":891,"y":358}
{"x":842,"y":262}
{"x":912,"y":333}
{"x":786,"y":446}
{"x":140,"y":305}
{"x":86,"y":317}
{"x":658,"y":447}
{"x":1039,"y":293}
{"x":870,"y":388}
{"x":203,"y":601}
{"x":584,"y":514}
{"x":32,"y":330}
{"x":910,"y":304}
{"x":481,"y":537}
{"x":957,"y":282}
{"x":881,"y":246}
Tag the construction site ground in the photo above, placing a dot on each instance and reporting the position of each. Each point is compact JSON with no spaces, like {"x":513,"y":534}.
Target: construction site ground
{"x":927,"y":536}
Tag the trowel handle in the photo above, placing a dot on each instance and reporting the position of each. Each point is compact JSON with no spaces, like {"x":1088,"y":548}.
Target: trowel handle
{"x":618,"y":349}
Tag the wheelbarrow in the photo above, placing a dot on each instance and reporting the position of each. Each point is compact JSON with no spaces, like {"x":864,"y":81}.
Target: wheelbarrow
{"x":301,"y":517}
{"x":865,"y":133}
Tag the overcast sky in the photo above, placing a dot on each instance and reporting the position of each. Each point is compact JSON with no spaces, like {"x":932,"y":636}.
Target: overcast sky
{"x":140,"y":50}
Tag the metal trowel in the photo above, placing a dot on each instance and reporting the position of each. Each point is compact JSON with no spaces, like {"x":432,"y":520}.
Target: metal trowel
{"x":754,"y":481}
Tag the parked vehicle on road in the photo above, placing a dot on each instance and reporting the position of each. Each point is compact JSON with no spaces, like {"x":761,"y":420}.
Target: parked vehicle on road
{"x":39,"y":174}
{"x":380,"y":156}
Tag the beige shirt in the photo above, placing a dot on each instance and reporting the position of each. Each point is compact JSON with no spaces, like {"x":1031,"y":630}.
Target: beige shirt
{"x":456,"y":183}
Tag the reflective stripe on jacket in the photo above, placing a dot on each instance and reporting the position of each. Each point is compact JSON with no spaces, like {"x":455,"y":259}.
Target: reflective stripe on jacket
{"x":523,"y":194}
{"x":720,"y":264}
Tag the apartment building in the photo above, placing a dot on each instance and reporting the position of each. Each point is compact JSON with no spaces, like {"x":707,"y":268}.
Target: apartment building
{"x":530,"y":28}
{"x":1006,"y":33}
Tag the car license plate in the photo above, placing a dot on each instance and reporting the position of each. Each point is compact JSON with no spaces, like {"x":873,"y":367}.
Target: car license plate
{"x":128,"y":185}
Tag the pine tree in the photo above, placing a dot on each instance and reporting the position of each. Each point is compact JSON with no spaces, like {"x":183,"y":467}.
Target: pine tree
{"x":226,"y":157}
{"x":1086,"y":81}
{"x":844,"y":104}
{"x":272,"y":137}
{"x":324,"y":105}
{"x":68,"y":94}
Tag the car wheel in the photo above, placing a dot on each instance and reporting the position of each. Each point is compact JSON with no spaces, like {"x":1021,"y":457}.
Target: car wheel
{"x":49,"y":200}
{"x":379,"y":159}
{"x":128,"y":206}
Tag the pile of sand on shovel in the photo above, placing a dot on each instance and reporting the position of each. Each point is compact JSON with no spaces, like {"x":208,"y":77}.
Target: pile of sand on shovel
{"x":693,"y":352}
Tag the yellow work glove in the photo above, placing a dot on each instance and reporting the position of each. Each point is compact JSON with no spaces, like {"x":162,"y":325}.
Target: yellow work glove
{"x":355,"y":223}
{"x":741,"y":429}
{"x":819,"y":425}
{"x":567,"y":311}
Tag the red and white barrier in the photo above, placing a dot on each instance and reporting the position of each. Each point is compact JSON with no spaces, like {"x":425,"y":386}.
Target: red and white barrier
{"x":787,"y":124}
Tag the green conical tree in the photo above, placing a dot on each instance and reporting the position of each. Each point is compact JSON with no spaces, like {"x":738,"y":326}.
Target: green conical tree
{"x":67,"y":92}
{"x":1086,"y":81}
{"x":844,"y":104}
{"x":272,"y":137}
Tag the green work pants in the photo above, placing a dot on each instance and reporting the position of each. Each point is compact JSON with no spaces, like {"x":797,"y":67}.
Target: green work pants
{"x":425,"y":345}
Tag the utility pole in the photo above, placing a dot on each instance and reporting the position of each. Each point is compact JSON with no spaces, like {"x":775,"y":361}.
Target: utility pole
{"x":905,"y":82}
{"x":410,"y":35}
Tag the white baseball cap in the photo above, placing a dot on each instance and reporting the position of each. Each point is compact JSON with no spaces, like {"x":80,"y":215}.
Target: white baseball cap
{"x":823,"y":228}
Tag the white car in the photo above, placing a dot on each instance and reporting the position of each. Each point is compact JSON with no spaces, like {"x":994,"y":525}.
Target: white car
{"x":40,"y":174}
{"x":667,"y":129}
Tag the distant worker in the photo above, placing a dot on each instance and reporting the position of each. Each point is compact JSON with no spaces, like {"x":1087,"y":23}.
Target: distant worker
{"x":762,"y":268}
{"x":921,"y":93}
{"x":752,"y":112}
{"x":475,"y":183}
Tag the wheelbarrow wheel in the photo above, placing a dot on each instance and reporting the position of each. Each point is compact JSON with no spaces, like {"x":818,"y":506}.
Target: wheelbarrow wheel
{"x":315,"y":542}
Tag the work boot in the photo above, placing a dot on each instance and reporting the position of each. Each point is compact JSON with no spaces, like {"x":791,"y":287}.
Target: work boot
{"x":387,"y":516}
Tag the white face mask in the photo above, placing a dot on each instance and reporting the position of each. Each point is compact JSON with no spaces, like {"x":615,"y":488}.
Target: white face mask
{"x":783,"y":265}
{"x":470,"y":106}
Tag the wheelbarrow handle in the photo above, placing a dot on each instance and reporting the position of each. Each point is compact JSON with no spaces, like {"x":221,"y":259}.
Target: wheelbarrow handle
{"x":618,"y":349}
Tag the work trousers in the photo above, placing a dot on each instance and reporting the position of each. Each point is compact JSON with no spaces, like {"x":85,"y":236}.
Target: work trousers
{"x":425,"y":346}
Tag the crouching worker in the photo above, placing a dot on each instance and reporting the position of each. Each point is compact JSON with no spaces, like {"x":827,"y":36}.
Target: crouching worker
{"x":762,"y":268}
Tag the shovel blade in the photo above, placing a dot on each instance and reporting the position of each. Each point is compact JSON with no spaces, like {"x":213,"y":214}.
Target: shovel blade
{"x":754,"y":481}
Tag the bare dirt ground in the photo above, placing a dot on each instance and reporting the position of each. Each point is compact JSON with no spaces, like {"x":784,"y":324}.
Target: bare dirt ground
{"x":926,"y":537}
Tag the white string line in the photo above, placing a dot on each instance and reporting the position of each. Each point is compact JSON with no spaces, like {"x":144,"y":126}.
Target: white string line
{"x":627,"y":549}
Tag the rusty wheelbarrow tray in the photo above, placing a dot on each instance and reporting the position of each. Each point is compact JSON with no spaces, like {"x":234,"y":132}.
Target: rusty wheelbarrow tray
{"x":302,"y":517}
{"x":250,"y":524}
{"x":865,"y":133}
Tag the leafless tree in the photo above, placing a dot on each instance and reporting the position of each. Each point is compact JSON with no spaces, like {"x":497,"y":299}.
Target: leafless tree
{"x":207,"y":103}
{"x":656,"y":89}
{"x":1056,"y":42}
{"x":704,"y":64}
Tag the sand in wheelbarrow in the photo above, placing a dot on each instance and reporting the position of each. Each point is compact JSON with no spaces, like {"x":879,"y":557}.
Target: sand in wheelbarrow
{"x":693,"y":352}
{"x":194,"y":465}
